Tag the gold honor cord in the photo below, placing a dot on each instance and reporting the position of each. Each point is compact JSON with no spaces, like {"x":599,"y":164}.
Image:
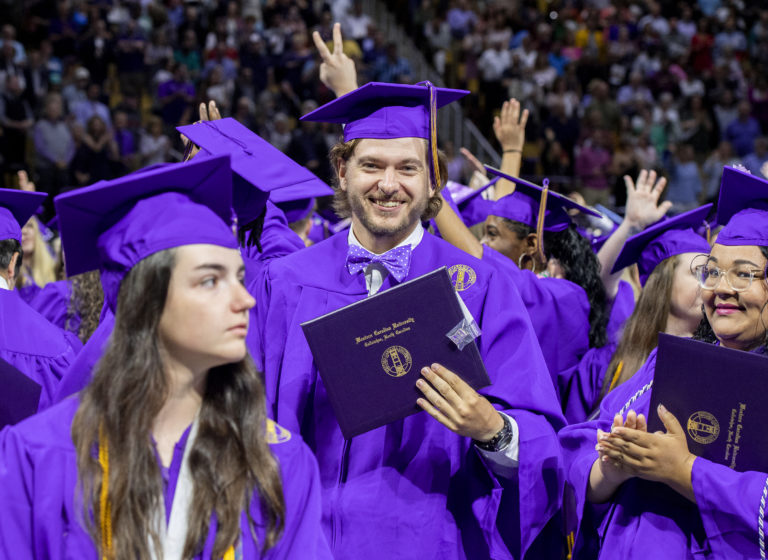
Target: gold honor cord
{"x":540,"y":221}
{"x":105,"y":511}
{"x":616,"y":375}
{"x":433,"y":134}
{"x":570,"y":541}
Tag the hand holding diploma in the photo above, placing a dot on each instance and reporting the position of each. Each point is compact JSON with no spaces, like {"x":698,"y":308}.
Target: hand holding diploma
{"x":456,"y":405}
{"x":659,"y":456}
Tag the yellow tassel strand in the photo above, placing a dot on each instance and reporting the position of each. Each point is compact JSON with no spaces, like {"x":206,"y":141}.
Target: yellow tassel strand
{"x":540,"y":220}
{"x":616,"y":375}
{"x":229,"y":554}
{"x":433,"y":134}
{"x":105,"y":511}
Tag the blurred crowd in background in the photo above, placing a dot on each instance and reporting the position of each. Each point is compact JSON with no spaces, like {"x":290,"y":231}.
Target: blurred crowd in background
{"x":92,"y":89}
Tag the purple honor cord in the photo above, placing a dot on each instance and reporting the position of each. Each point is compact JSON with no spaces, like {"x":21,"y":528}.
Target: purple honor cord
{"x":397,"y":261}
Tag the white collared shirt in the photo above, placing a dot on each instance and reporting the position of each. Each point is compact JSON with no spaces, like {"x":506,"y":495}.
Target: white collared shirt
{"x":503,"y":463}
{"x":4,"y":284}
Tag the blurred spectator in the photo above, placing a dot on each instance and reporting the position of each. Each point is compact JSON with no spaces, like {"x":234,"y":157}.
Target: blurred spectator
{"x":54,"y":148}
{"x":84,"y":110}
{"x":460,"y":18}
{"x":730,"y":39}
{"x":623,"y":163}
{"x":97,"y":52}
{"x":685,"y":184}
{"x":220,"y":89}
{"x":307,"y":146}
{"x":355,"y":23}
{"x":634,"y":91}
{"x":392,"y":67}
{"x":697,"y":127}
{"x":153,"y":145}
{"x":755,"y":161}
{"x":743,"y":130}
{"x":8,"y":35}
{"x":9,"y":67}
{"x":97,"y":154}
{"x":75,"y":91}
{"x":712,"y":170}
{"x":176,"y":97}
{"x":493,"y":63}
{"x":601,"y":103}
{"x":645,"y":153}
{"x":188,"y":54}
{"x":16,"y":121}
{"x":593,"y":161}
{"x":38,"y":81}
{"x":280,"y":133}
{"x":126,"y":145}
{"x":726,"y":110}
{"x":38,"y":266}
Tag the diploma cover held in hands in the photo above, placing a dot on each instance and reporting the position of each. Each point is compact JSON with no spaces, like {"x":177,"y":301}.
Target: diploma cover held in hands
{"x":718,"y":395}
{"x":370,"y":353}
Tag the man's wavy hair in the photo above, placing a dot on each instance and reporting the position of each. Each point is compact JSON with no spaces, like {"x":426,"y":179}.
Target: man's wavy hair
{"x":342,"y":151}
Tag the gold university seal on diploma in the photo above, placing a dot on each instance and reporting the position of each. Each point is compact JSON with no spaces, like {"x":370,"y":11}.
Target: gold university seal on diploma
{"x":396,"y":361}
{"x":462,"y":277}
{"x":703,"y":427}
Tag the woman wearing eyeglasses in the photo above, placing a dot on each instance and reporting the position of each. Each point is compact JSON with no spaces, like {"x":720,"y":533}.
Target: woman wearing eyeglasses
{"x":664,"y":502}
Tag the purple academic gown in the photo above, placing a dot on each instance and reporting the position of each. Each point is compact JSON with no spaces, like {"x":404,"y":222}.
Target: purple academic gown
{"x":559,"y":311}
{"x":622,"y":307}
{"x":53,"y":303}
{"x":649,"y":519}
{"x":40,"y":519}
{"x":413,"y":488}
{"x":38,"y":349}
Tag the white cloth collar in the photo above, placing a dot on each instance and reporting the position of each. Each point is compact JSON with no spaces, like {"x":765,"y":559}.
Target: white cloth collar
{"x":4,"y":283}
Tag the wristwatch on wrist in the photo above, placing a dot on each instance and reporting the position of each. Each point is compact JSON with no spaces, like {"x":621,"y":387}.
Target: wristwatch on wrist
{"x":501,"y":440}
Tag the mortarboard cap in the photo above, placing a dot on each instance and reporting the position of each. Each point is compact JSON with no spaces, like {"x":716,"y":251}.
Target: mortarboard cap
{"x":297,"y":201}
{"x":523,"y":204}
{"x":112,"y":225}
{"x":384,"y":111}
{"x":743,"y":209}
{"x":666,"y":238}
{"x":259,"y":168}
{"x":16,"y":207}
{"x":468,"y":202}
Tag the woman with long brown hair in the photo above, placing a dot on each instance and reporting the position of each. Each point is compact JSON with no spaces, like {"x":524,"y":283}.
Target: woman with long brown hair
{"x":168,"y":453}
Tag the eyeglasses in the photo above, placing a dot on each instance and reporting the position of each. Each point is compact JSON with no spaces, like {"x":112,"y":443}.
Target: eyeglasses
{"x":739,"y":277}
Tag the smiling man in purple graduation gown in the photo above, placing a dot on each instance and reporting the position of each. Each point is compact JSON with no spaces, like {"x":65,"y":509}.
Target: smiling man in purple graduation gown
{"x":413,"y":488}
{"x":28,"y":341}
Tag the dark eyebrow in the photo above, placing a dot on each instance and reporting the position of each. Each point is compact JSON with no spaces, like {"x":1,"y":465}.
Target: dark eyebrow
{"x":219,"y":267}
{"x":374,"y":159}
{"x":744,"y":261}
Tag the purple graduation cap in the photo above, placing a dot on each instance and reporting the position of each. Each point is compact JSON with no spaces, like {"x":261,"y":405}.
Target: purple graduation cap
{"x":298,"y":201}
{"x":525,"y":206}
{"x":112,"y":225}
{"x":16,"y":207}
{"x":666,"y":238}
{"x":743,"y":208}
{"x":467,"y":202}
{"x":259,"y":168}
{"x":380,"y":110}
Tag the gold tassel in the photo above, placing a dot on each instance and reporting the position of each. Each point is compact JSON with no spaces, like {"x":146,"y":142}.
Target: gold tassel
{"x":540,"y":221}
{"x":433,"y":135}
{"x":105,"y":511}
{"x":616,"y":375}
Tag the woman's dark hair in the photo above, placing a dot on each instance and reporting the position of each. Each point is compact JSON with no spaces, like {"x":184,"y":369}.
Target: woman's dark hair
{"x":580,"y":266}
{"x":85,"y":301}
{"x":704,"y":331}
{"x":249,"y":234}
{"x":229,"y":459}
{"x":344,"y":150}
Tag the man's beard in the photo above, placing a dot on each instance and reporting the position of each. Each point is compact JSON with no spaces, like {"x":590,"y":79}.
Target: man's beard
{"x":358,"y":205}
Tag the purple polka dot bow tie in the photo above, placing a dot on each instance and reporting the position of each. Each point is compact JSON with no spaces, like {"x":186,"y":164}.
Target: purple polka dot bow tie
{"x":397,"y":261}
